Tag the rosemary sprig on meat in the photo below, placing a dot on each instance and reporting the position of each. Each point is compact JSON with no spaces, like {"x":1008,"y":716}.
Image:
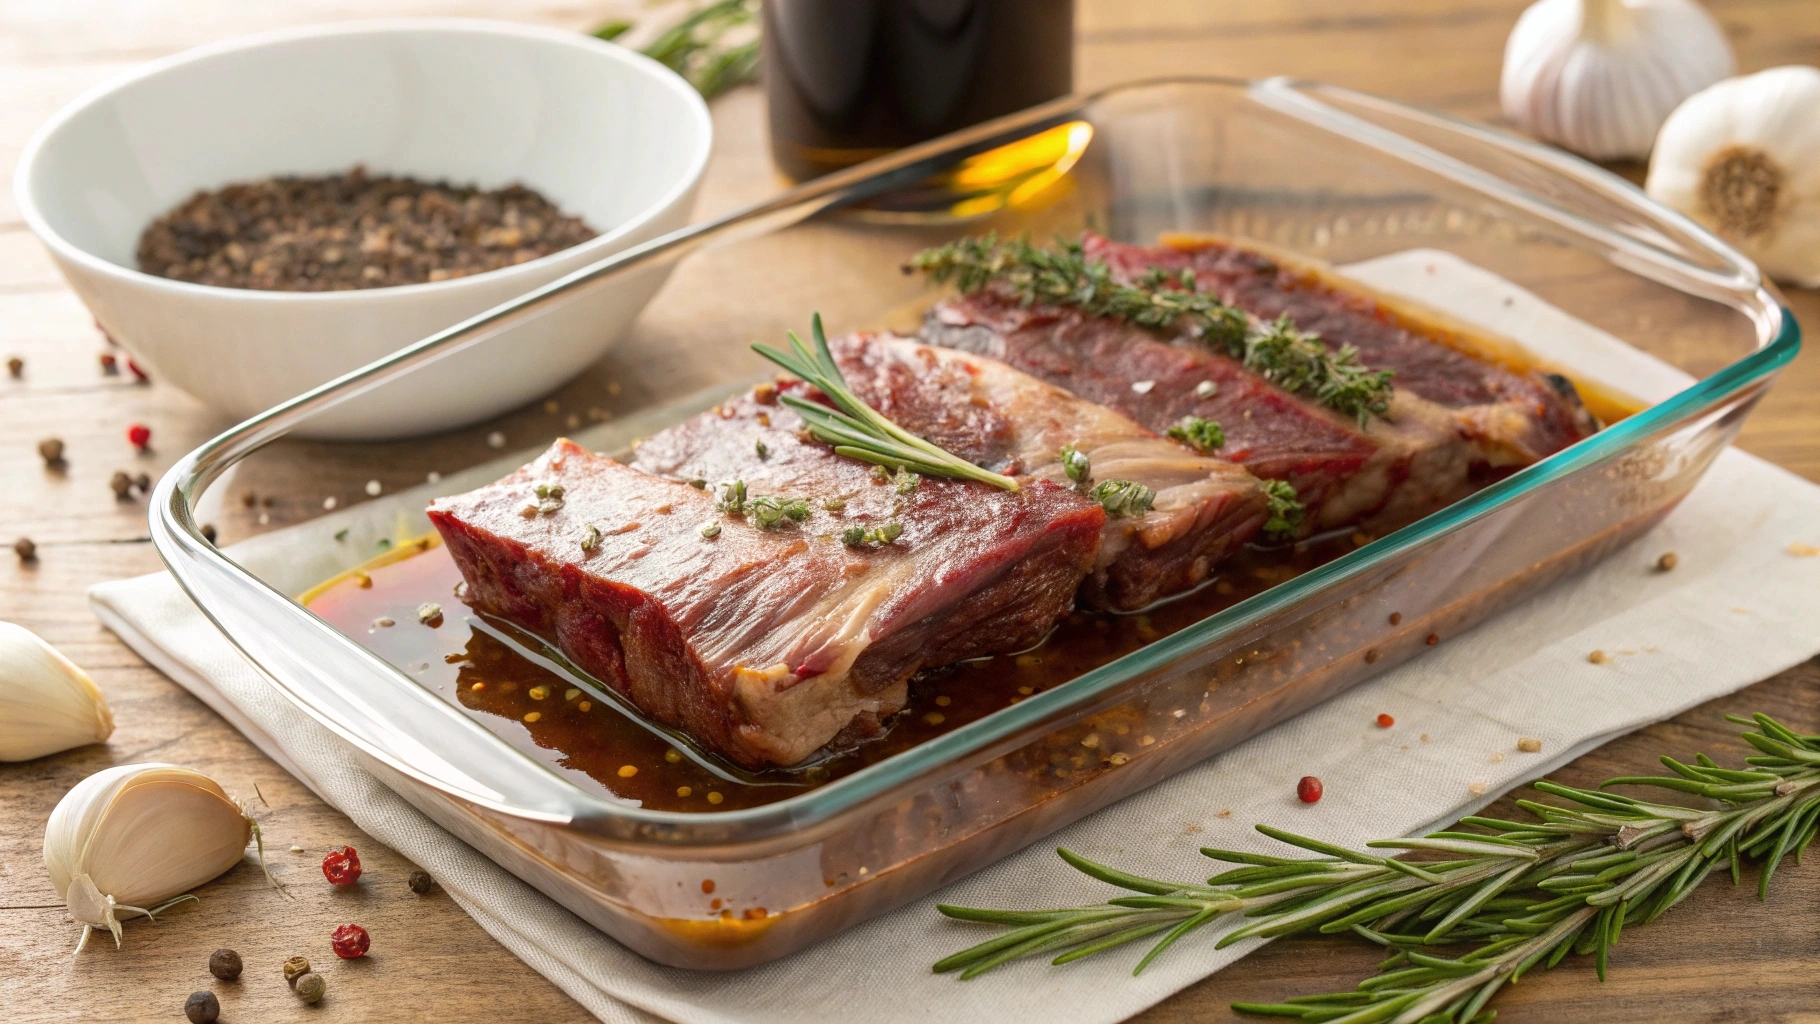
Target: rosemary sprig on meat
{"x":1517,"y":893}
{"x":858,"y":431}
{"x":1064,"y":276}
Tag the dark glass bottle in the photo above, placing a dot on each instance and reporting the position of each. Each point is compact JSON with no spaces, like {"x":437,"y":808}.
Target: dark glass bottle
{"x":849,"y":80}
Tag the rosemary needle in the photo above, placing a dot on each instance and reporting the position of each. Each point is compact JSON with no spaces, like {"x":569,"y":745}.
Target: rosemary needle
{"x":1516,"y":894}
{"x":854,"y":428}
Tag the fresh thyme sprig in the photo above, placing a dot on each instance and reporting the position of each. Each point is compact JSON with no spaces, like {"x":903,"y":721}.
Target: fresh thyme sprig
{"x":1064,"y":276}
{"x":855,"y":429}
{"x":1521,"y":893}
{"x":697,"y":46}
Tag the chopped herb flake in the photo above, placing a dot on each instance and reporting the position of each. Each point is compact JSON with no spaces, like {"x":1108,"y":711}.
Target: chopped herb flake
{"x":590,"y":537}
{"x":731,"y":496}
{"x":1203,"y":435}
{"x":1285,"y":511}
{"x":905,"y":481}
{"x":769,"y":512}
{"x":710,"y":529}
{"x":1124,"y":498}
{"x":1076,"y":465}
{"x":341,"y":534}
{"x":759,"y":446}
{"x":859,"y":536}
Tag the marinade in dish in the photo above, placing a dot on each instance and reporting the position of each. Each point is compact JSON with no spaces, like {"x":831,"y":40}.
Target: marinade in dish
{"x":589,"y":738}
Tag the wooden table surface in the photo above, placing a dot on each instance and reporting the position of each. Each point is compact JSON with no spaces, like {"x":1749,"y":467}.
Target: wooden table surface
{"x":1721,"y":957}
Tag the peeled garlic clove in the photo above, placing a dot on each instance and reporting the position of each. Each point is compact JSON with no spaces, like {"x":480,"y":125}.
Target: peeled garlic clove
{"x":47,"y":704}
{"x":1600,"y":76}
{"x":1743,"y":159}
{"x":134,"y":837}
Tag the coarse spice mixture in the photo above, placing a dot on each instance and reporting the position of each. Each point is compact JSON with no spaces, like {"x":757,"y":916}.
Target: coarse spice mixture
{"x":340,"y":232}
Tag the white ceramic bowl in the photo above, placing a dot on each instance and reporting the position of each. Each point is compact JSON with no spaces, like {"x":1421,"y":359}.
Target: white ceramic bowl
{"x":599,"y":130}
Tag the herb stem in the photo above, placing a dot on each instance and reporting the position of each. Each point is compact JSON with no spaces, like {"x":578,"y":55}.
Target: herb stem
{"x":854,"y":428}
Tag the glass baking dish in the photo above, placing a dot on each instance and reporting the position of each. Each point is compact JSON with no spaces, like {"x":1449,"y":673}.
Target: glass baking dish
{"x":1323,"y":172}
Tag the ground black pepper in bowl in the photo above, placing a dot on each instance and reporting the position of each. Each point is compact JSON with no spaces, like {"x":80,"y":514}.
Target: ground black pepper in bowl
{"x":345,"y":231}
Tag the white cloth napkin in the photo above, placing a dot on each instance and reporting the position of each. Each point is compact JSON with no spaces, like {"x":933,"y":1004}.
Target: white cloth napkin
{"x":1742,"y":605}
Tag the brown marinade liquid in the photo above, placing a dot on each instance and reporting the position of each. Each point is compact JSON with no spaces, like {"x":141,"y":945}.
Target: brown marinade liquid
{"x":571,"y":724}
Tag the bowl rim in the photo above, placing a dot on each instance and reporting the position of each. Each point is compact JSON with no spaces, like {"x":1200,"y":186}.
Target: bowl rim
{"x":26,"y":170}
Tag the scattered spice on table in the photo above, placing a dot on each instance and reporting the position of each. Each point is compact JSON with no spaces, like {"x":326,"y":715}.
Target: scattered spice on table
{"x":143,"y":481}
{"x":51,"y":451}
{"x":350,"y":941}
{"x":1803,"y":550}
{"x":225,"y":964}
{"x":15,"y":367}
{"x":294,"y":968}
{"x":420,"y":882}
{"x":122,"y":484}
{"x":340,"y":232}
{"x":25,"y":549}
{"x":1385,"y":721}
{"x":1598,"y":657}
{"x":139,"y":436}
{"x":1667,"y":562}
{"x":341,"y":866}
{"x":1529,"y":745}
{"x":311,"y":986}
{"x":110,"y":364}
{"x":1308,"y":790}
{"x":202,"y":1008}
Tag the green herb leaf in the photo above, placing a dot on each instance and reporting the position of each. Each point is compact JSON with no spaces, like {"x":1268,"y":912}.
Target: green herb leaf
{"x":854,"y":428}
{"x":731,"y":496}
{"x":1076,"y":465}
{"x":1285,"y":511}
{"x":860,"y":536}
{"x":1123,"y":498}
{"x":769,"y":512}
{"x":705,"y":46}
{"x":1203,"y":435}
{"x":1064,"y":276}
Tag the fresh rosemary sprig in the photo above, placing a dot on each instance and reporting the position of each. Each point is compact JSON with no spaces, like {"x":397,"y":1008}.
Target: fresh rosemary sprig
{"x":855,"y":429}
{"x":1520,"y":893}
{"x":696,"y":47}
{"x":1064,"y":276}
{"x":1285,"y":511}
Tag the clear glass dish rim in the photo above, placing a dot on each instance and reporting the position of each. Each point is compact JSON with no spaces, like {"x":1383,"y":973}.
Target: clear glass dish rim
{"x":178,"y":538}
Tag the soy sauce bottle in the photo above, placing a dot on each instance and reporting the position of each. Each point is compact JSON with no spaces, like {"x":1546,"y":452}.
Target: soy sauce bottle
{"x":849,"y":80}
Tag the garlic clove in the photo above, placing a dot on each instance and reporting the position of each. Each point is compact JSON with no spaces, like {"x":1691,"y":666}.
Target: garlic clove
{"x":134,"y":837}
{"x":1743,"y":159}
{"x":1600,"y":76}
{"x":47,"y":704}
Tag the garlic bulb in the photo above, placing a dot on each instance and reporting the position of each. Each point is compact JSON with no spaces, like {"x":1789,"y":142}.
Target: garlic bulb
{"x":47,"y":704}
{"x":1743,"y":159}
{"x":134,"y":838}
{"x":1600,"y":76}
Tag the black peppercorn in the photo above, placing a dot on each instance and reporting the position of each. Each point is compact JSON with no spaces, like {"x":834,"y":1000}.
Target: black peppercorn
{"x":121,"y":483}
{"x":310,"y":987}
{"x":224,"y":964}
{"x":15,"y":366}
{"x":25,"y":549}
{"x":202,"y":1008}
{"x":51,"y":450}
{"x":420,"y":882}
{"x":143,"y":481}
